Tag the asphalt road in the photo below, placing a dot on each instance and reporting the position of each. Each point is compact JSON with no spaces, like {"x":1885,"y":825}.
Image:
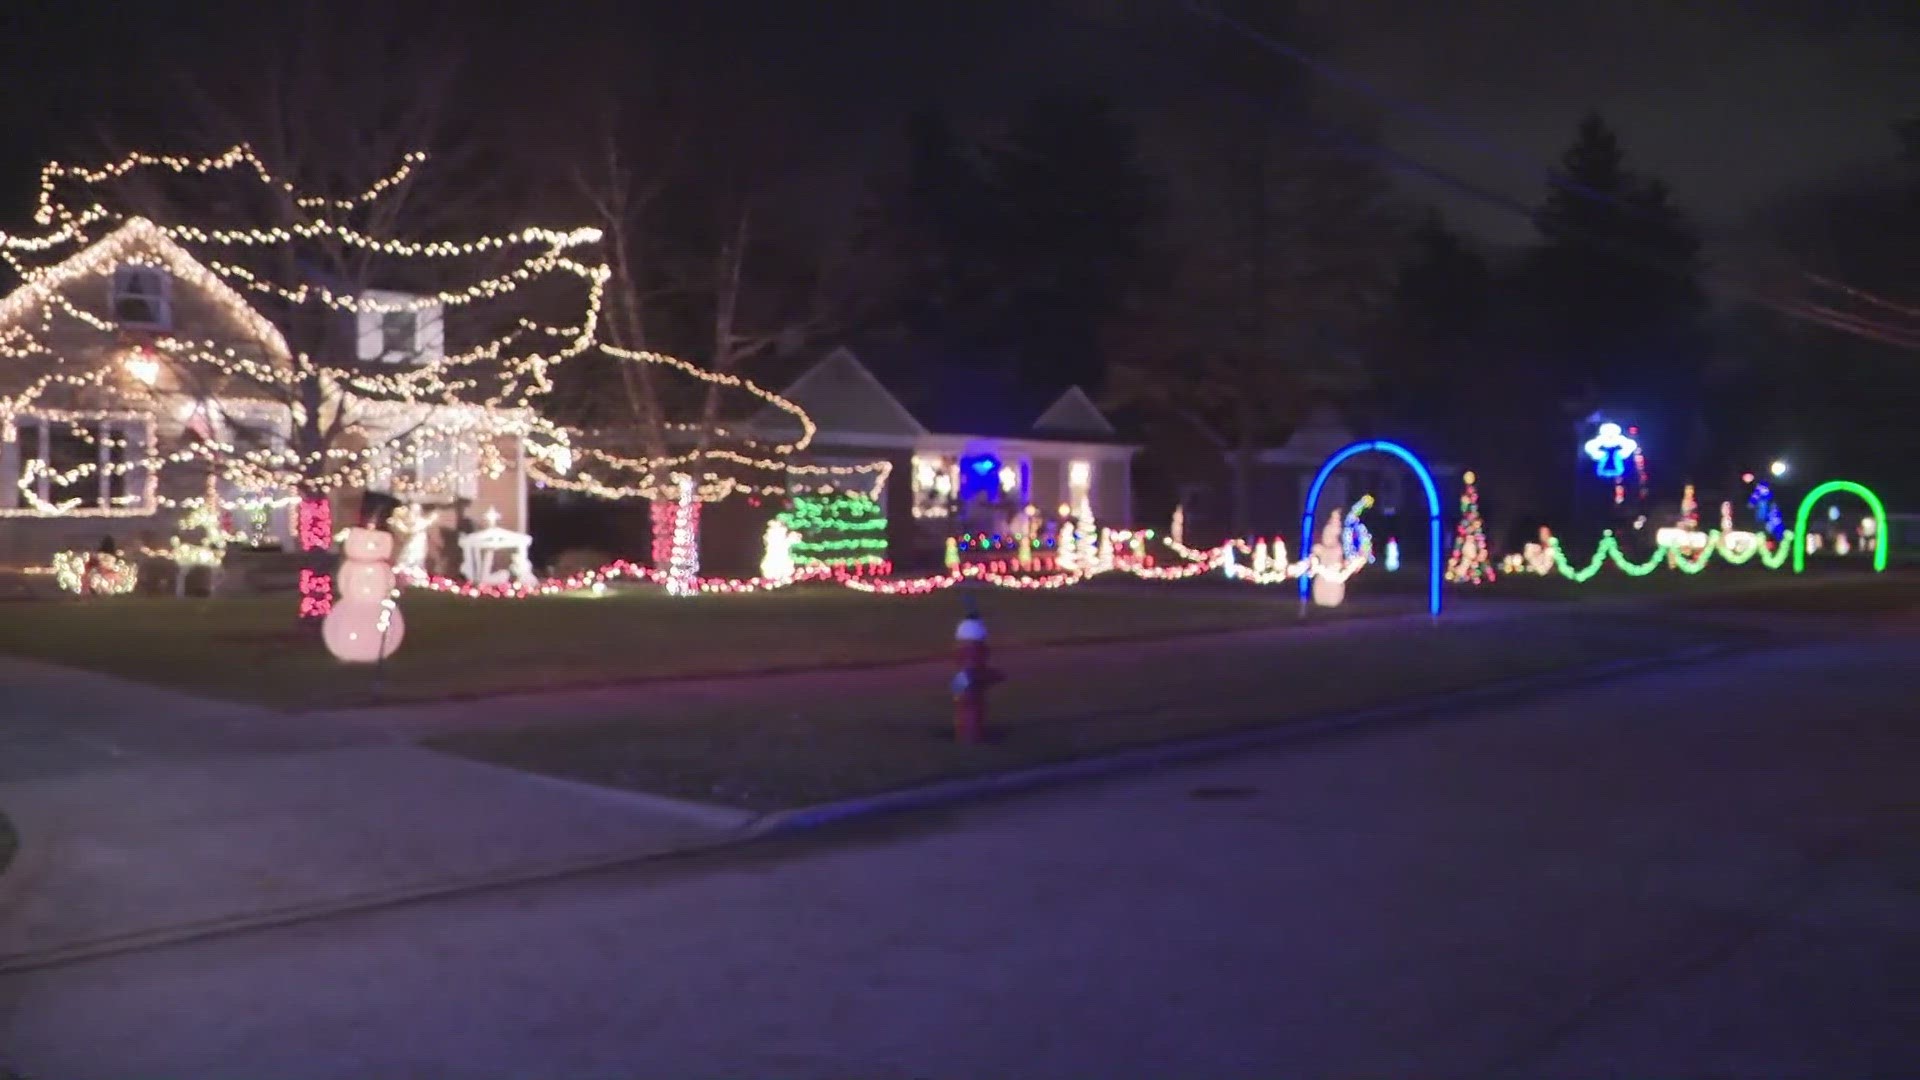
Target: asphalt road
{"x":1713,"y":870}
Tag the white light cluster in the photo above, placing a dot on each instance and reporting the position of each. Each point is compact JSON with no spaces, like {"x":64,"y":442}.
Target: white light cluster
{"x":251,"y":357}
{"x":372,"y":417}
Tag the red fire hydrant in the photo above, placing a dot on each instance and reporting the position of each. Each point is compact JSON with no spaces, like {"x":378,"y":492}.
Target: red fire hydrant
{"x":971,"y":683}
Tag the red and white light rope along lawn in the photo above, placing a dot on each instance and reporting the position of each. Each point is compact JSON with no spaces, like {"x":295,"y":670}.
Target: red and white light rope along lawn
{"x":1198,"y":562}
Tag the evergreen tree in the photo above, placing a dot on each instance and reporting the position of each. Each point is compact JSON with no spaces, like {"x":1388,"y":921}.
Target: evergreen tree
{"x":1615,"y":278}
{"x":1436,"y":359}
{"x":1610,"y":310}
{"x":1072,"y":209}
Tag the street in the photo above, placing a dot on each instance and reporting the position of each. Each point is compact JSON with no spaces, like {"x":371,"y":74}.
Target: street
{"x":1704,"y":870}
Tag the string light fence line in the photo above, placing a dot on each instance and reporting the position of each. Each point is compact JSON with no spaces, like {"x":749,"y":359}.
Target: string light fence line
{"x":598,"y":581}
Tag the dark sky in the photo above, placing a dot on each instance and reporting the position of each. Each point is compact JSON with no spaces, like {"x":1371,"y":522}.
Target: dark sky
{"x":1734,"y":102}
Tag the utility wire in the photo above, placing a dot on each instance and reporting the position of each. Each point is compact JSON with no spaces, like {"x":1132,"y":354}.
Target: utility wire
{"x":1894,"y":336}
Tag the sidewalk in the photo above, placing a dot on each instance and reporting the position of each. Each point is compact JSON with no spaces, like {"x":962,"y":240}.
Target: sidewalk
{"x":57,"y":721}
{"x":147,"y":853}
{"x":147,"y":815}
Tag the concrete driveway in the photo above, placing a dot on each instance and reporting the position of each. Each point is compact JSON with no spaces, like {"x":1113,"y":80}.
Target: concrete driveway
{"x":1707,"y":871}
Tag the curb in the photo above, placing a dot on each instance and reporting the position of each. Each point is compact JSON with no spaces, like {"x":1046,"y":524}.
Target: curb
{"x":19,"y":870}
{"x":809,"y":819}
{"x":1163,"y":755}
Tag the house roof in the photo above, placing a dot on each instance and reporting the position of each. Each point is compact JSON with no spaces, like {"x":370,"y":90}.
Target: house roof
{"x":895,"y":391}
{"x":141,"y":235}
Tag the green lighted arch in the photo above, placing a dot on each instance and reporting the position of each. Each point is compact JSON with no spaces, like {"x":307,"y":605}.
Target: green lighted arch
{"x":1880,"y":539}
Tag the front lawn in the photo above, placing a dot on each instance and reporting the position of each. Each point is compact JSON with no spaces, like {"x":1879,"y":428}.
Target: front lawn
{"x":248,"y":649}
{"x":791,"y":742}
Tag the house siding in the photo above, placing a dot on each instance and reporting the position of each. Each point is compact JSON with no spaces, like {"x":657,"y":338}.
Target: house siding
{"x":502,"y":492}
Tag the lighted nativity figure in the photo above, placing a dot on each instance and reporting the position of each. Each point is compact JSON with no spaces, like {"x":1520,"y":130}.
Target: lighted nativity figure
{"x":414,"y":526}
{"x":480,"y":550}
{"x":1330,"y":564}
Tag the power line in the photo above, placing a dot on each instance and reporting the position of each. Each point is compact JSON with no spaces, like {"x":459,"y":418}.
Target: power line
{"x":1894,"y":336}
{"x":1863,"y":295}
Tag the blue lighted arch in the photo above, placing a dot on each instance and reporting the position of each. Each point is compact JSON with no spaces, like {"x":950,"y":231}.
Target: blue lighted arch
{"x":1433,"y":510}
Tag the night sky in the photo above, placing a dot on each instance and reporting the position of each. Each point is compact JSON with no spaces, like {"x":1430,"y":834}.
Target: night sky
{"x":1733,"y":103}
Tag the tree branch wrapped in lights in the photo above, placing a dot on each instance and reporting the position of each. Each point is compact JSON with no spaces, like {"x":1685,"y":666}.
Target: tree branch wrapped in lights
{"x":279,"y":400}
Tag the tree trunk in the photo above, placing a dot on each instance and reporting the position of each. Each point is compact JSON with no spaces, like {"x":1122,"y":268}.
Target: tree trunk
{"x":1243,"y":463}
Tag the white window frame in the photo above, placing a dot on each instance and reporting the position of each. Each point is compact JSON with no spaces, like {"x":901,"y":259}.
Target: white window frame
{"x":130,"y":431}
{"x":119,"y":289}
{"x":429,"y":344}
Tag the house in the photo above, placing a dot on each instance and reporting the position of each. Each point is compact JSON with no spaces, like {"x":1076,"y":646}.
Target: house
{"x":969,"y":452}
{"x":1282,"y":477}
{"x":106,"y":432}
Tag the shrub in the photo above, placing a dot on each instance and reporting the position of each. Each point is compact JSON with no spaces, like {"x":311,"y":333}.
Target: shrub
{"x":579,"y":560}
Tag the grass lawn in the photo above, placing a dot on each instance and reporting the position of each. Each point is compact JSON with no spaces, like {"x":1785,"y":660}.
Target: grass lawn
{"x":764,"y":746}
{"x":248,"y":649}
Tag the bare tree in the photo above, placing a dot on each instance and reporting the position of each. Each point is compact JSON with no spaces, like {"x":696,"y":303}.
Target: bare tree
{"x":717,"y":255}
{"x":1280,"y":259}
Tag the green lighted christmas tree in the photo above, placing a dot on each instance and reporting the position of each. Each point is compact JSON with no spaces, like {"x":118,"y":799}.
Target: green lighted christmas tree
{"x":1470,"y":563}
{"x":847,"y":531}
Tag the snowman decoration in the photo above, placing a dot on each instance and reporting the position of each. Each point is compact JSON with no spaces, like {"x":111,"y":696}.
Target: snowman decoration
{"x":365,"y":624}
{"x":1330,"y":564}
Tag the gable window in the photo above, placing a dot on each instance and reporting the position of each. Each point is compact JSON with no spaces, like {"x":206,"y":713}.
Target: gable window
{"x":85,"y":464}
{"x":399,"y":328}
{"x":142,"y":297}
{"x":399,"y":335}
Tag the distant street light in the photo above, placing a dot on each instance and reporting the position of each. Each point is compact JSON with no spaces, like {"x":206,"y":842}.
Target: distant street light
{"x":1778,"y":469}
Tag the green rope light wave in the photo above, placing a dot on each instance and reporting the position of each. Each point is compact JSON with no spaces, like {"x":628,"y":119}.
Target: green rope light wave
{"x":1609,"y":551}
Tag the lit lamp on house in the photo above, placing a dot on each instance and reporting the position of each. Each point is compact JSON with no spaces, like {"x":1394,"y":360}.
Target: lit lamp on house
{"x":142,"y":365}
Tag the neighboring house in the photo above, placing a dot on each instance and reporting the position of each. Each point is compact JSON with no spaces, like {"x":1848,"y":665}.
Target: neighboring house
{"x":969,"y":453}
{"x":86,"y":380}
{"x":1283,"y":475}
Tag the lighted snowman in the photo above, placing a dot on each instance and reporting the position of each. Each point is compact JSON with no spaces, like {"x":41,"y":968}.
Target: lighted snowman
{"x":365,"y":624}
{"x":776,"y":560}
{"x":1330,"y":558}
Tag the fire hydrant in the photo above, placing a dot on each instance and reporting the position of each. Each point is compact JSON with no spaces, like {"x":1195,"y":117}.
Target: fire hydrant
{"x":971,"y":683}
